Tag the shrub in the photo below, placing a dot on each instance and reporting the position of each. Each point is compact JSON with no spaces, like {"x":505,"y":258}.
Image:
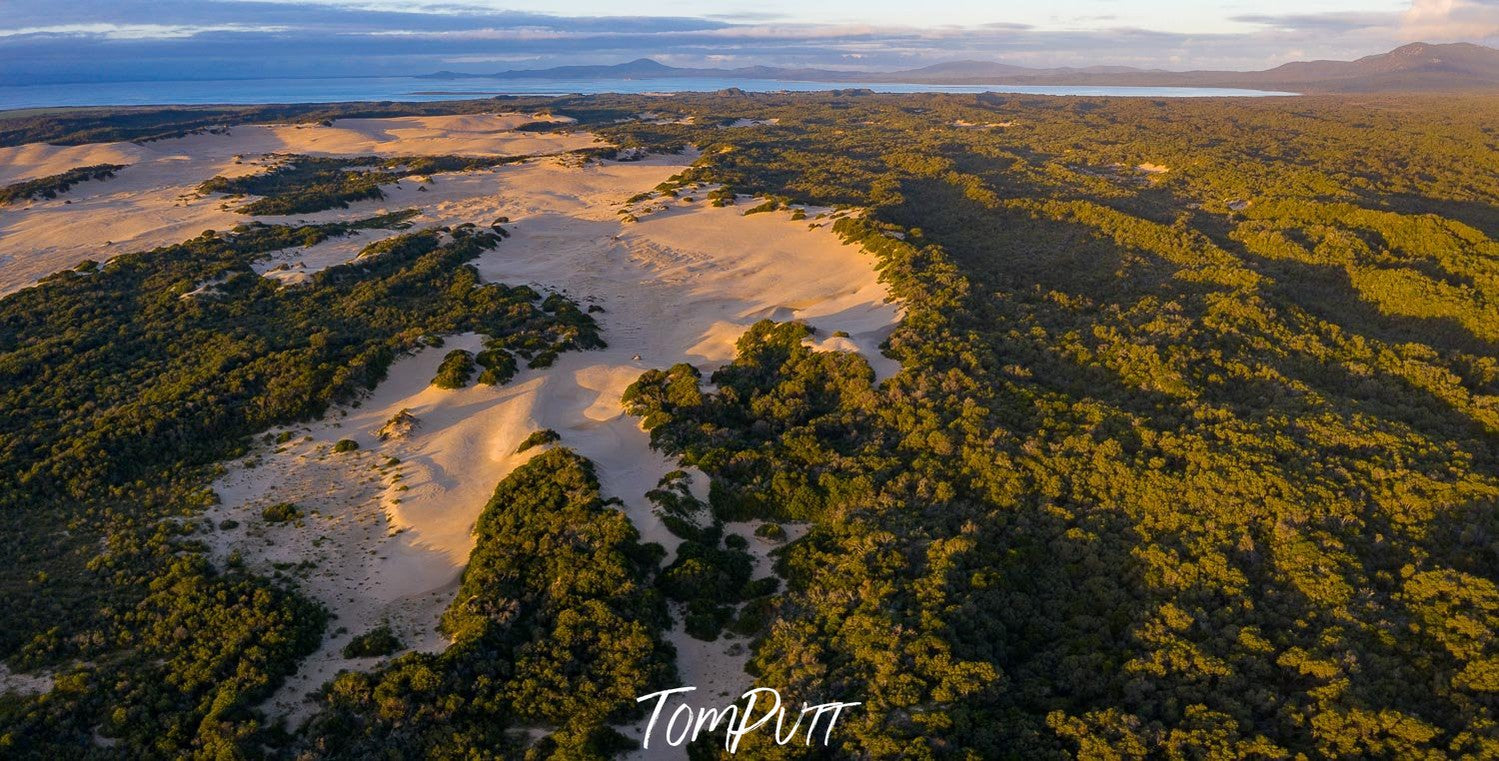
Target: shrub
{"x":373,"y":643}
{"x":538,"y":438}
{"x":455,"y":371}
{"x":345,"y":445}
{"x":281,"y":512}
{"x":499,"y":366}
{"x":705,"y":619}
{"x":753,"y":617}
{"x":772,"y":531}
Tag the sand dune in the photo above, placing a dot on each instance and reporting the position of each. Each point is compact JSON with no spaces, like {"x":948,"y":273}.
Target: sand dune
{"x":154,"y":201}
{"x":28,"y":162}
{"x":386,"y":529}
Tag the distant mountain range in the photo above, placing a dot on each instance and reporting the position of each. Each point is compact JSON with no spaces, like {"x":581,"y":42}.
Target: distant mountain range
{"x":1418,"y":67}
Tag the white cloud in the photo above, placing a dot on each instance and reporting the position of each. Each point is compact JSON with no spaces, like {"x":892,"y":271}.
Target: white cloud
{"x":1446,"y":20}
{"x":134,"y":31}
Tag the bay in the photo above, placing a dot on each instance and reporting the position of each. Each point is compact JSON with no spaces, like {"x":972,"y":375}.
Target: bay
{"x":332,"y":90}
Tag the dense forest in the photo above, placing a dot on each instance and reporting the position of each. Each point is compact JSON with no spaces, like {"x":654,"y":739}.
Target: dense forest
{"x":1192,"y":453}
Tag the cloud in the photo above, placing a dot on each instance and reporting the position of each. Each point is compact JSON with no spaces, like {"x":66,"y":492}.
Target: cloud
{"x":1446,"y":20}
{"x":85,"y":40}
{"x":134,"y":31}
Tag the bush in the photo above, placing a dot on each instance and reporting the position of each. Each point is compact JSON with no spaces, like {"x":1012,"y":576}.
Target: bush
{"x":499,"y":366}
{"x":345,"y":445}
{"x":544,"y":359}
{"x":706,"y":619}
{"x":455,"y":371}
{"x":772,"y":531}
{"x":753,"y":617}
{"x":373,"y":643}
{"x":538,"y":438}
{"x":281,"y":512}
{"x":762,"y":587}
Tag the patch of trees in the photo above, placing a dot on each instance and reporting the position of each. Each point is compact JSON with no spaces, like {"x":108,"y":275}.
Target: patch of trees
{"x":374,"y":643}
{"x":304,"y":184}
{"x":55,"y":185}
{"x":711,"y":572}
{"x":456,"y":370}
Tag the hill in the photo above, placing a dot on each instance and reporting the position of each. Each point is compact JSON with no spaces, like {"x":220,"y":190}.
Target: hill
{"x":1417,"y":67}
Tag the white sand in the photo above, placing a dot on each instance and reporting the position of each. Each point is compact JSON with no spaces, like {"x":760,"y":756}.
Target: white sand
{"x":680,"y":285}
{"x":753,"y":122}
{"x":22,"y":683}
{"x":153,"y":201}
{"x":294,"y":266}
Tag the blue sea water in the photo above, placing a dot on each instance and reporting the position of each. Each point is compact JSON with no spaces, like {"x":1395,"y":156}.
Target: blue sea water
{"x":251,"y":91}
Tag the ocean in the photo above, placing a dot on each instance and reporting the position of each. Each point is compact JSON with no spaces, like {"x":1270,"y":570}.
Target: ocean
{"x":253,"y":91}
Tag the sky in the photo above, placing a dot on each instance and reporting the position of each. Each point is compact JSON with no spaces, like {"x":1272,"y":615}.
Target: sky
{"x":52,"y":41}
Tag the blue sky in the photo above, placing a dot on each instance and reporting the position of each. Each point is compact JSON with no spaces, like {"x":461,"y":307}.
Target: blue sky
{"x":82,"y":40}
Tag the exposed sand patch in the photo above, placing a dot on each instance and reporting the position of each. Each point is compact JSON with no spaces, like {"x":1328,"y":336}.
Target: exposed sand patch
{"x":754,"y":122}
{"x":465,"y":135}
{"x":154,"y":201}
{"x":24,"y":684}
{"x":293,"y":266}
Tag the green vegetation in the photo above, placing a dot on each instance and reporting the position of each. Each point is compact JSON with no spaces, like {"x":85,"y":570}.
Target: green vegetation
{"x":305,"y":184}
{"x":711,"y":571}
{"x":555,"y":625}
{"x":499,"y":366}
{"x":456,"y":370}
{"x":281,"y":512}
{"x":302,"y":184}
{"x":774,"y":532}
{"x":538,"y":438}
{"x":345,"y":445}
{"x":55,"y":185}
{"x":374,"y":643}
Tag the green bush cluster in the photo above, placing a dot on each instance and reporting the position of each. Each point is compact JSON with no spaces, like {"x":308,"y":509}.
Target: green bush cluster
{"x":538,"y":438}
{"x":55,"y":185}
{"x":456,"y":370}
{"x":374,"y":643}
